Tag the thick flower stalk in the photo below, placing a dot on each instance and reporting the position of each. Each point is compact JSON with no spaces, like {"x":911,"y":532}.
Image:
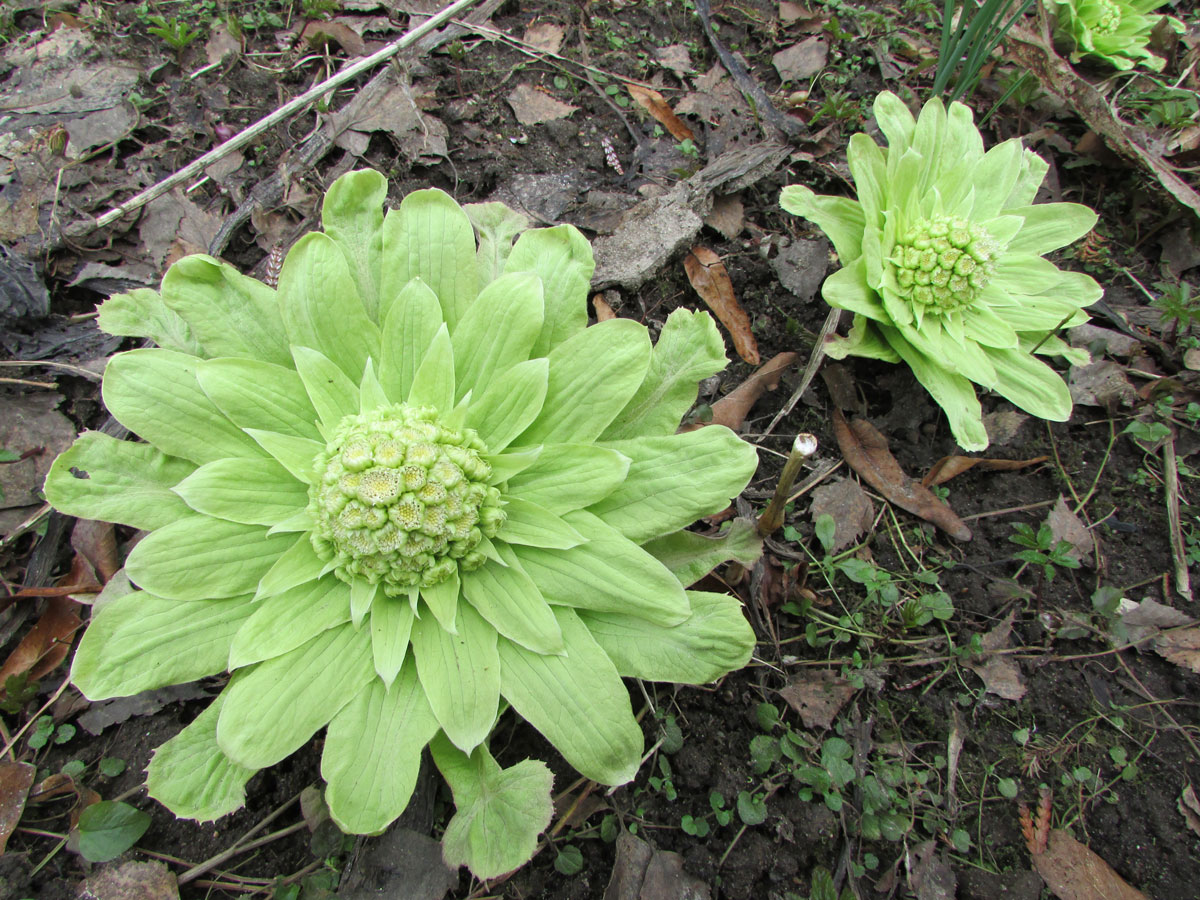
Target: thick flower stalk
{"x":1116,"y":31}
{"x":404,"y":492}
{"x":943,"y":265}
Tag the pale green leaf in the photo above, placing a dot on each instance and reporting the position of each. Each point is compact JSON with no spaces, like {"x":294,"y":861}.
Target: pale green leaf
{"x":201,"y":558}
{"x":499,"y":812}
{"x":130,"y":483}
{"x":1031,"y":384}
{"x":259,"y":395}
{"x":691,"y":556}
{"x":577,"y":701}
{"x":689,"y":350}
{"x":675,"y":480}
{"x":511,"y":463}
{"x":497,"y":331}
{"x":848,"y":289}
{"x":362,"y":595}
{"x":592,"y":376}
{"x":1049,"y":226}
{"x":508,"y":405}
{"x":562,"y":258}
{"x":570,"y":476}
{"x":372,"y":753}
{"x":495,"y":227}
{"x":352,"y":215}
{"x":391,"y":625}
{"x":283,"y":622}
{"x":230,"y":313}
{"x":296,"y":454}
{"x":430,"y":237}
{"x":412,"y":323}
{"x":433,"y":383}
{"x":839,"y":217}
{"x":442,"y":599}
{"x":715,"y":640}
{"x":460,"y":674}
{"x":510,"y":601}
{"x":274,"y":709}
{"x":155,"y":394}
{"x":192,"y":777}
{"x":371,"y":395}
{"x":609,"y":572}
{"x":297,"y":565}
{"x":533,"y":525}
{"x":321,"y":305}
{"x":250,"y":491}
{"x":139,"y":642}
{"x":333,"y":393}
{"x":142,"y":313}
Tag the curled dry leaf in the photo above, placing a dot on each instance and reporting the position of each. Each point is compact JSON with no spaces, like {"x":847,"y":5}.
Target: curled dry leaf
{"x":866,"y":450}
{"x":16,"y":778}
{"x":1066,"y":526}
{"x":818,"y":697}
{"x":1073,"y":872}
{"x":950,"y":466}
{"x":709,"y":277}
{"x":321,"y":34}
{"x":1189,"y":808}
{"x":732,"y":409}
{"x":532,"y":107}
{"x":851,"y":508}
{"x":604,"y":312}
{"x":1001,"y":676}
{"x":656,"y":104}
{"x":47,"y":643}
{"x":1181,"y":647}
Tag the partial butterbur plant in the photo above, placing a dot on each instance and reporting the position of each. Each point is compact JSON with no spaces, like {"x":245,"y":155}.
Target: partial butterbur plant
{"x":1116,"y":31}
{"x":943,"y":266}
{"x":402,"y":493}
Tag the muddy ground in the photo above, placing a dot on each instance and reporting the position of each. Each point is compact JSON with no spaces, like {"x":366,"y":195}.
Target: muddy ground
{"x":943,"y":686}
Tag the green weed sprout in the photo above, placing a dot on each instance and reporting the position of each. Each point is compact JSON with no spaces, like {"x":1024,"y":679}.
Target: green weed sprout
{"x":402,"y":493}
{"x":943,"y":264}
{"x":1116,"y":31}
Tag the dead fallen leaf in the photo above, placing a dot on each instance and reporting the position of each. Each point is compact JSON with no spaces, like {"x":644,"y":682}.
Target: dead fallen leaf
{"x":709,"y":277}
{"x":732,"y":409}
{"x":97,"y":543}
{"x":1102,"y":384}
{"x":951,"y":466}
{"x":1003,"y":426}
{"x":532,"y":107}
{"x":867,"y":453}
{"x":31,"y":427}
{"x":818,"y":697}
{"x":1103,"y":340}
{"x":321,"y":34}
{"x":644,"y":873}
{"x":132,"y":881}
{"x":727,"y":216}
{"x":47,"y":643}
{"x":1180,"y":647}
{"x":103,"y":713}
{"x":545,"y":36}
{"x":1001,"y":676}
{"x":801,"y":61}
{"x":932,"y":877}
{"x":851,"y":508}
{"x":16,"y":778}
{"x":221,"y":43}
{"x":604,"y":312}
{"x":1073,"y":872}
{"x":395,"y":109}
{"x":675,"y":57}
{"x":1146,"y":619}
{"x":656,"y":104}
{"x":1066,"y":526}
{"x":172,"y":226}
{"x":1189,"y":808}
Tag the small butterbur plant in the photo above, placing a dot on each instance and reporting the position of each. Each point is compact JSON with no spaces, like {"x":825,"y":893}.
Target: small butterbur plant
{"x":402,"y":493}
{"x":1115,"y":31}
{"x":943,"y":264}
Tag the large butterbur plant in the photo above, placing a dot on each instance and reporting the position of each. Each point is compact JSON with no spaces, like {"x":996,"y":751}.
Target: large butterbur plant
{"x":1115,"y":31}
{"x":943,"y":263}
{"x":406,"y":491}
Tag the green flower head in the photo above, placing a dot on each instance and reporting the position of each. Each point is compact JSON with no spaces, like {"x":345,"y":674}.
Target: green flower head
{"x":942,"y":263}
{"x":1116,"y":31}
{"x":405,"y":491}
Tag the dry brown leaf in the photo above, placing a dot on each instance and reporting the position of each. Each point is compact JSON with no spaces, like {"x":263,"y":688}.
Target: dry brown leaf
{"x":47,"y":643}
{"x":708,"y":276}
{"x":97,"y":543}
{"x":1066,"y":526}
{"x":732,"y":409}
{"x":656,"y":104}
{"x":727,"y":215}
{"x":1180,"y":647}
{"x":675,"y":57}
{"x":950,"y":466}
{"x":641,"y":872}
{"x":932,"y":877}
{"x":604,"y":312}
{"x":1073,"y":872}
{"x":320,"y":34}
{"x":532,"y":107}
{"x":1001,"y":676}
{"x":545,"y":36}
{"x":1189,"y":808}
{"x":801,"y":61}
{"x":851,"y":508}
{"x":1102,"y":384}
{"x":132,"y":881}
{"x":818,"y":697}
{"x":866,"y":451}
{"x":16,"y":778}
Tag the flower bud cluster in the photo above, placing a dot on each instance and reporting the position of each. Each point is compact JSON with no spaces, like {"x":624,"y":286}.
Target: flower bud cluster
{"x":944,"y":262}
{"x":401,"y":499}
{"x":1108,"y":19}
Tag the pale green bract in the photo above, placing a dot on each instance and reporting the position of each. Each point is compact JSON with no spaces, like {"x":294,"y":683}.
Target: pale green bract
{"x":942,"y":263}
{"x":406,"y":491}
{"x":1117,"y":31}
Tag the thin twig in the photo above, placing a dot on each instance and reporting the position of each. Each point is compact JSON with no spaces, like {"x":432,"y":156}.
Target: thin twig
{"x":238,"y":846}
{"x":50,"y":364}
{"x":293,"y":106}
{"x":810,"y":371}
{"x":1183,"y":583}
